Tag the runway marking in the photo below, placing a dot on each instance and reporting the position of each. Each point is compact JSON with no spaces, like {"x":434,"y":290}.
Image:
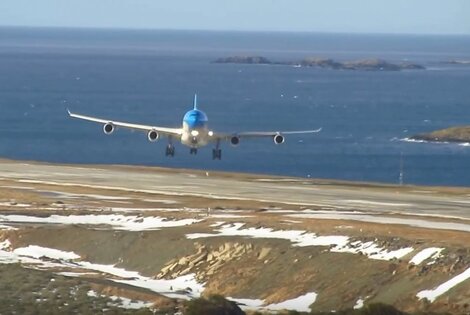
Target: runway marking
{"x":376,"y":203}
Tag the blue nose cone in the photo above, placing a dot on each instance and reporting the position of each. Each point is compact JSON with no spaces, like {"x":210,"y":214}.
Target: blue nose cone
{"x":195,"y":118}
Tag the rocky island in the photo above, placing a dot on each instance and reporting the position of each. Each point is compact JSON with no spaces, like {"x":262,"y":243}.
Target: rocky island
{"x":326,"y":63}
{"x":457,"y":62}
{"x":453,"y":134}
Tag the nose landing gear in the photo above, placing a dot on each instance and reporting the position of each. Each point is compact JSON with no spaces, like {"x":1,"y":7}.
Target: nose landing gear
{"x":193,"y":151}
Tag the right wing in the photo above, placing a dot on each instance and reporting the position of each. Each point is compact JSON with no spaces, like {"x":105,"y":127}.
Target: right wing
{"x":163,"y":130}
{"x":260,"y":134}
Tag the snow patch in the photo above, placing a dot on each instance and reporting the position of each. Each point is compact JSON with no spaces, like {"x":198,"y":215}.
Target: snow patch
{"x":122,"y":302}
{"x":38,"y":252}
{"x":432,"y":295}
{"x":359,"y":304}
{"x":381,"y":219}
{"x":5,"y":244}
{"x":300,"y":304}
{"x":126,"y":303}
{"x":184,"y":287}
{"x":117,"y":221}
{"x":337,"y":243}
{"x":7,"y":227}
{"x":13,"y":204}
{"x":427,"y":253}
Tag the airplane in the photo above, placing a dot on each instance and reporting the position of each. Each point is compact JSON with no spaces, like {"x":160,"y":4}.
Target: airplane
{"x":194,"y":132}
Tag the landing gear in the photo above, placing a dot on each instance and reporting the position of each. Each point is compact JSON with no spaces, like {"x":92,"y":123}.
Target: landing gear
{"x":170,"y":150}
{"x":217,"y":152}
{"x":193,"y":151}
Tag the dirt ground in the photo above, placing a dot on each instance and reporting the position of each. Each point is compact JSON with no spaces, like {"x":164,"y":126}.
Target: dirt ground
{"x":270,"y":269}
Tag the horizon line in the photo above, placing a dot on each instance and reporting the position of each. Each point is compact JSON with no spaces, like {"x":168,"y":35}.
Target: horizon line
{"x":111,"y":28}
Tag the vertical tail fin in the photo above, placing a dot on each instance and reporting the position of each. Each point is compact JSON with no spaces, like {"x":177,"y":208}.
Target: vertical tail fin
{"x":195,"y":101}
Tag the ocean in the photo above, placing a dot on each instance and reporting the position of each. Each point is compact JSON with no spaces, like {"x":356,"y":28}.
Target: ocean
{"x":150,"y":77}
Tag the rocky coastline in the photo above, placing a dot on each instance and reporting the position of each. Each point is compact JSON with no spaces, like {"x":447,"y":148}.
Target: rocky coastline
{"x":459,"y":134}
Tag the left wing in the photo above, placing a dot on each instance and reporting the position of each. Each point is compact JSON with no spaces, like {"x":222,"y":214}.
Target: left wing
{"x":278,"y":136}
{"x":163,"y":130}
{"x":260,"y":134}
{"x":274,"y":133}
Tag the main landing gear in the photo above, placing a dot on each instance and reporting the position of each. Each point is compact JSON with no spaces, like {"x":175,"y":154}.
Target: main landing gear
{"x":170,"y":150}
{"x":217,"y":152}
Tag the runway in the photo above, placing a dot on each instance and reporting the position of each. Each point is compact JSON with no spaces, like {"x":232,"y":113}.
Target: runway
{"x":416,"y":200}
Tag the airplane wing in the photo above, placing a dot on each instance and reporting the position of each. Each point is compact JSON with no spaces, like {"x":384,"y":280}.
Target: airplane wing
{"x":260,"y":134}
{"x":162,"y":130}
{"x":274,"y":133}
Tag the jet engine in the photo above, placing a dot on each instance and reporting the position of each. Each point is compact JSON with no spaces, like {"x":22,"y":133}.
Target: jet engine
{"x":108,"y":128}
{"x":234,"y":141}
{"x":153,"y":135}
{"x":278,"y":139}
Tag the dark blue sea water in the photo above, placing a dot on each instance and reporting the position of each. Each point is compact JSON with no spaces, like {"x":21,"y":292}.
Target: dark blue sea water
{"x":151,"y":76}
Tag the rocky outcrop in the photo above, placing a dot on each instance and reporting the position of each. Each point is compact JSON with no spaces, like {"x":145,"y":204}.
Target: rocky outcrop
{"x":453,"y":134}
{"x":244,"y":60}
{"x":211,"y":259}
{"x":457,"y":62}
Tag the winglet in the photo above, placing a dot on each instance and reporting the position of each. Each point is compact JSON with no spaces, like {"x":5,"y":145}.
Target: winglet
{"x":195,"y":101}
{"x":68,"y":111}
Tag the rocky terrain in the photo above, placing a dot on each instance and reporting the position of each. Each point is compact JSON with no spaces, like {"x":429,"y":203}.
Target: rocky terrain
{"x":94,"y":246}
{"x":366,"y":64}
{"x":453,"y":134}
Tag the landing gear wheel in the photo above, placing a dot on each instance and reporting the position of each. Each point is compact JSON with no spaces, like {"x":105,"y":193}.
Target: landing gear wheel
{"x":193,"y":151}
{"x":216,"y":154}
{"x":170,"y":150}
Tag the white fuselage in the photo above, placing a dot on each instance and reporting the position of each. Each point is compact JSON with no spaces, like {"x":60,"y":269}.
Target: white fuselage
{"x":195,"y":137}
{"x":195,"y":132}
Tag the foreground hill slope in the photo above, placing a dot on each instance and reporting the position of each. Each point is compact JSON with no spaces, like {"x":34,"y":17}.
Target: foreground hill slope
{"x":154,"y":247}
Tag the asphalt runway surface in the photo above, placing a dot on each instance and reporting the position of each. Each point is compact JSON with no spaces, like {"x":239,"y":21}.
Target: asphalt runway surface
{"x":330,"y":195}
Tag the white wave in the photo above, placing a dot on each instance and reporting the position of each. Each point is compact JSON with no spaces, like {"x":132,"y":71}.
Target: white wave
{"x":413,"y":140}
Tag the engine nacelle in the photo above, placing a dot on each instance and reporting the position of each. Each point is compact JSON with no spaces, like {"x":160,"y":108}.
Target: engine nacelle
{"x":108,"y":128}
{"x":153,"y":135}
{"x":234,"y":141}
{"x":278,"y":139}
